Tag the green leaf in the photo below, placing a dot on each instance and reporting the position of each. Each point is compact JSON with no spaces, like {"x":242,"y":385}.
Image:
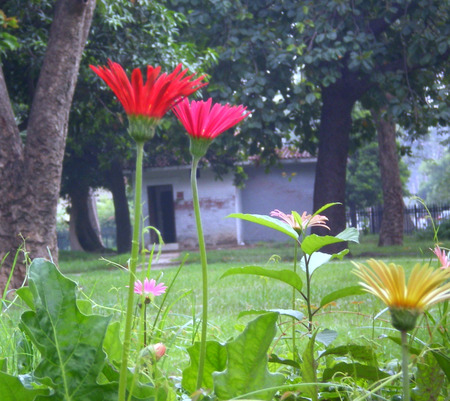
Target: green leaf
{"x":3,"y":364}
{"x":318,"y":259}
{"x":443,"y":361}
{"x":267,"y":221}
{"x":286,"y":276}
{"x":429,"y":379}
{"x":26,"y":296}
{"x":355,"y":370}
{"x":12,"y":389}
{"x":325,"y":207}
{"x":309,"y":369}
{"x":326,"y":337}
{"x":313,"y":242}
{"x":287,"y":312}
{"x":246,"y":369}
{"x":70,"y":343}
{"x":112,"y":344}
{"x":216,"y":359}
{"x":362,"y":353}
{"x":343,"y":292}
{"x":289,"y":362}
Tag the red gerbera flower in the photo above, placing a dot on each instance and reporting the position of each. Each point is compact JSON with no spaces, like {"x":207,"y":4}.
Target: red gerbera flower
{"x":205,"y":122}
{"x":149,"y":101}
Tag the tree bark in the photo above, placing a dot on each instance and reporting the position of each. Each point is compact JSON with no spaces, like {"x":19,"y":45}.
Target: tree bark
{"x":82,"y":220}
{"x":31,"y":175}
{"x":116,"y":184}
{"x":334,"y":132}
{"x":391,"y":230}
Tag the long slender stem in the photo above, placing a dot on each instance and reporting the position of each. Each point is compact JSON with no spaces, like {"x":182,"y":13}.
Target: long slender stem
{"x":294,"y":351}
{"x":133,"y":265}
{"x":201,"y":245}
{"x":308,"y":293}
{"x":405,"y":361}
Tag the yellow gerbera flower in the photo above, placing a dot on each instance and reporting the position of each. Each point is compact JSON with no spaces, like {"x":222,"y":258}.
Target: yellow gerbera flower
{"x":426,"y":286}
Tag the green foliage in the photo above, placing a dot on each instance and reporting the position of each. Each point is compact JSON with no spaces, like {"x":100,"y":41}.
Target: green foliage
{"x":429,"y":379}
{"x":246,"y":370}
{"x":216,"y":359}
{"x":70,"y":342}
{"x":436,"y":188}
{"x":364,"y":186}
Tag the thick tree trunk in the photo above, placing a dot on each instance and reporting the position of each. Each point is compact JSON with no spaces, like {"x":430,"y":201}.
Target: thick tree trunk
{"x":31,"y":177}
{"x":116,"y":184}
{"x":391,"y":230}
{"x":82,"y":220}
{"x":334,"y":132}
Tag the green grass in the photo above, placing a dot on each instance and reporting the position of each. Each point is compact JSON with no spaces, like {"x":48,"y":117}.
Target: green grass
{"x":104,"y":283}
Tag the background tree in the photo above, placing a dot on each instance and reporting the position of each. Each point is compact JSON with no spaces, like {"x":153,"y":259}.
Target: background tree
{"x":31,"y":172}
{"x":436,"y":188}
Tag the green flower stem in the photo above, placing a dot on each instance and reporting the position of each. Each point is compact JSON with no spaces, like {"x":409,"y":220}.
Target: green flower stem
{"x":308,"y":293}
{"x":132,"y":268}
{"x":201,"y":245}
{"x":405,"y":361}
{"x":294,"y":352}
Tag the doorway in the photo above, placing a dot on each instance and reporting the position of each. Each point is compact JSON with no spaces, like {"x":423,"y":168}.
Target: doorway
{"x":162,"y":212}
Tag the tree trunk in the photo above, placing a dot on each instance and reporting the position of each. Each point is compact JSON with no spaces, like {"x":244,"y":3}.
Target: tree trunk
{"x":82,"y":220}
{"x":116,"y":184}
{"x":334,"y":132}
{"x":31,"y":175}
{"x":391,"y":230}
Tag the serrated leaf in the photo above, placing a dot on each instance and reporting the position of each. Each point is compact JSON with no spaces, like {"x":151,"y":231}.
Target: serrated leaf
{"x":362,"y":353}
{"x":326,"y":336}
{"x":12,"y":389}
{"x":286,"y":276}
{"x":267,"y":221}
{"x":215,"y":361}
{"x":318,"y":259}
{"x":246,"y":369}
{"x":287,"y":312}
{"x":429,"y":379}
{"x":355,"y":370}
{"x":70,"y":343}
{"x":343,"y":292}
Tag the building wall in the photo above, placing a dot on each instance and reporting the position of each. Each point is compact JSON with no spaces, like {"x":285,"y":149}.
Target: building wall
{"x":217,"y":200}
{"x":288,"y":188}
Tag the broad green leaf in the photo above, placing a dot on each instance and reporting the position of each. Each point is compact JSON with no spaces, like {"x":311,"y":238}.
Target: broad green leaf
{"x":309,"y":369}
{"x":355,"y":370}
{"x":318,"y":259}
{"x":429,"y":379}
{"x":267,"y":221}
{"x":112,"y":344}
{"x":286,"y":276}
{"x":312,"y":243}
{"x":216,"y":360}
{"x":343,"y":292}
{"x":349,"y":234}
{"x":25,"y":295}
{"x":362,"y":353}
{"x":287,"y":312}
{"x":246,"y":370}
{"x":12,"y":389}
{"x":326,"y":337}
{"x":70,"y":343}
{"x":3,"y":364}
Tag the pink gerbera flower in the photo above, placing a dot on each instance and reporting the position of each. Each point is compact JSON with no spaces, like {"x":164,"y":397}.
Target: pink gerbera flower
{"x":149,"y":288}
{"x":442,"y":257}
{"x":306,"y":220}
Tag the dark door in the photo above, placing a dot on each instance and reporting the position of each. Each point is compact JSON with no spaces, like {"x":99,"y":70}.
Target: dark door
{"x":162,"y":213}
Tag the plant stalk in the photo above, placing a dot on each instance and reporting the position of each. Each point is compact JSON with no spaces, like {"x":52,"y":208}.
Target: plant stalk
{"x":294,"y":350}
{"x":308,"y":294}
{"x":201,"y":245}
{"x":405,"y":361}
{"x":132,"y":268}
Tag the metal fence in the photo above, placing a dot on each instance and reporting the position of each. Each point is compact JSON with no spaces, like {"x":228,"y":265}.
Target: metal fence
{"x":417,"y":218}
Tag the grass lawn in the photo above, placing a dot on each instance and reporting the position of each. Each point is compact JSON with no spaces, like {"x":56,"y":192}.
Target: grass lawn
{"x":351,"y":317}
